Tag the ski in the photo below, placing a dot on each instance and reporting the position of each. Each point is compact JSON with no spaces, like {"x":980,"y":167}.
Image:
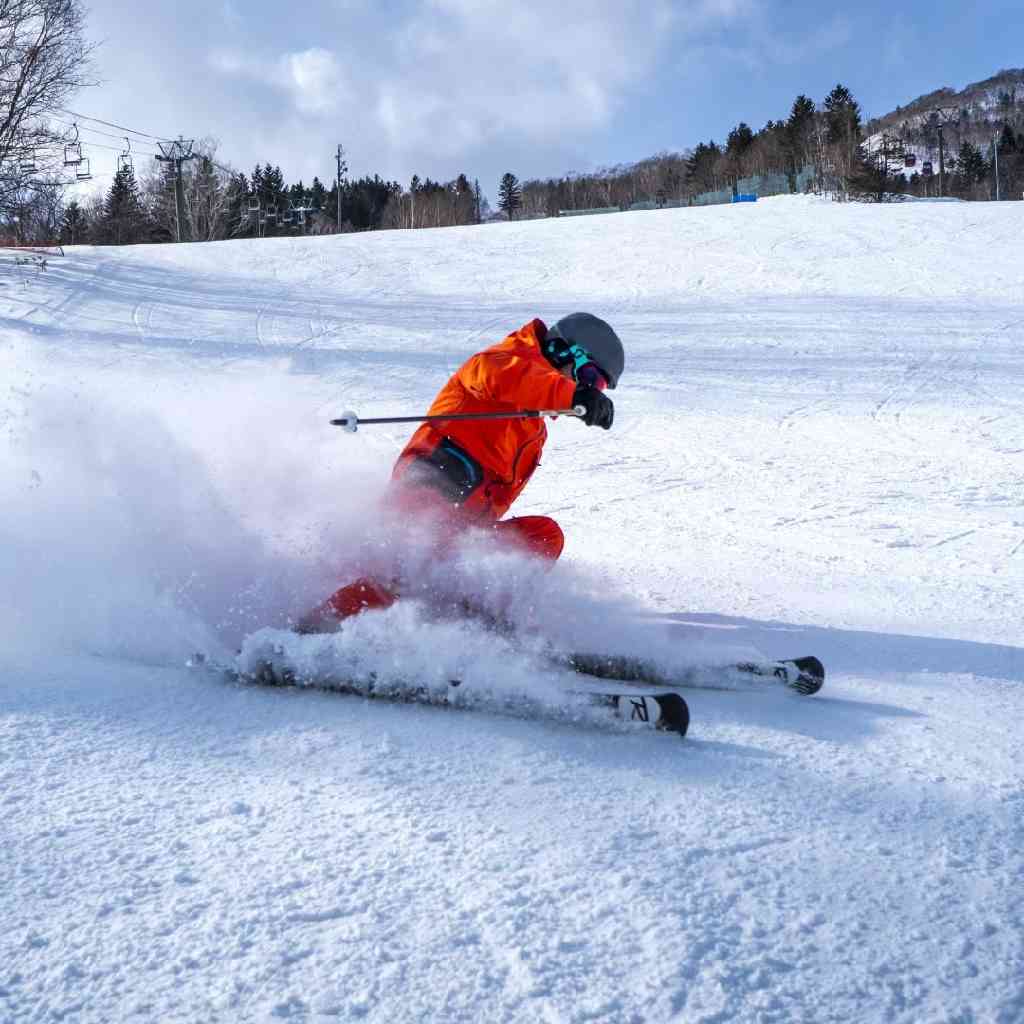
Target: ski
{"x":626,"y":700}
{"x":805,"y":676}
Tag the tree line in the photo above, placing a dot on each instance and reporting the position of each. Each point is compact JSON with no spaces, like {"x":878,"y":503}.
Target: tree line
{"x":830,"y":139}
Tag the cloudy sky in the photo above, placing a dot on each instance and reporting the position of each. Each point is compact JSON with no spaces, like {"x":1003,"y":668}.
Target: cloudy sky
{"x":538,"y":87}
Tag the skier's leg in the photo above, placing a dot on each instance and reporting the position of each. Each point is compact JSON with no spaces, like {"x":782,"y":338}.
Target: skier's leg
{"x":405,"y":507}
{"x":349,"y":600}
{"x":537,"y":535}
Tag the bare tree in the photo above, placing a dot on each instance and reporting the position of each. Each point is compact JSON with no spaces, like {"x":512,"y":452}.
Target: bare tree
{"x":44,"y":58}
{"x":208,"y":194}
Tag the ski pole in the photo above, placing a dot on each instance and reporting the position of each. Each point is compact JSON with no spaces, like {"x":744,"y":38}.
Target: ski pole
{"x":351,"y":422}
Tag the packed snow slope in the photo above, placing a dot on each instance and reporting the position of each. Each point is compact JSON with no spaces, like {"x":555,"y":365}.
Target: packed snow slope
{"x":818,"y":448}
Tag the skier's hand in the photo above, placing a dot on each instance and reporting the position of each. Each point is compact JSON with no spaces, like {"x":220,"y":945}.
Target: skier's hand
{"x":600,"y":410}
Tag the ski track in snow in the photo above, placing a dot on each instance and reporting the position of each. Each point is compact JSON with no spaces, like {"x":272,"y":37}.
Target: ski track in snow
{"x":817,"y":450}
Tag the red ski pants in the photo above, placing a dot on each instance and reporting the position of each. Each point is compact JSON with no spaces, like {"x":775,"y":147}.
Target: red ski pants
{"x":535,"y":535}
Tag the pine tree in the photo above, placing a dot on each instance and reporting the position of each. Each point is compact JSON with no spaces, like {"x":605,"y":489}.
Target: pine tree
{"x":740,"y":139}
{"x":318,"y":194}
{"x":73,"y":224}
{"x":842,"y":133}
{"x":239,"y":219}
{"x":799,"y":128}
{"x":700,"y":168}
{"x":842,"y":117}
{"x":971,"y":170}
{"x":123,"y":218}
{"x":510,"y":195}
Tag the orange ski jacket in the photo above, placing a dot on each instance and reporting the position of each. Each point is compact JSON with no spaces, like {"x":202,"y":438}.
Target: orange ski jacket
{"x":511,"y":376}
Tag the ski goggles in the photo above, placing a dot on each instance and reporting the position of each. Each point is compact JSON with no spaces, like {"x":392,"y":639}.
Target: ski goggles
{"x":585,"y":371}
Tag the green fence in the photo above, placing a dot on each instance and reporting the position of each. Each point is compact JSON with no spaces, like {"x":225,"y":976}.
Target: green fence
{"x":759,"y":185}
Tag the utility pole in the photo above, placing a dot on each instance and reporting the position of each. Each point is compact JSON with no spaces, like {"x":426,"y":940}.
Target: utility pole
{"x":342,"y":167}
{"x":177,"y":153}
{"x":939,"y":120}
{"x":995,"y":155}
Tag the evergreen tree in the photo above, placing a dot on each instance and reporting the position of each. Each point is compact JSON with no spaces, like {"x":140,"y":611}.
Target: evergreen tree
{"x":971,"y":170}
{"x":799,"y":129}
{"x":740,"y":139}
{"x":701,"y":175}
{"x":842,"y":133}
{"x":123,"y":219}
{"x":842,"y":117}
{"x":510,"y":195}
{"x":871,"y":176}
{"x":318,"y":195}
{"x":73,"y":225}
{"x":240,"y":222}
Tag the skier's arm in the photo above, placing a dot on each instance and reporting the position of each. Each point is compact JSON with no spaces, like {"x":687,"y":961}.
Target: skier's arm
{"x":515,"y":381}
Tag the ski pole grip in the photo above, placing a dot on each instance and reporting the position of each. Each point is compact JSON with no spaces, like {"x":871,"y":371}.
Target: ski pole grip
{"x":579,"y":410}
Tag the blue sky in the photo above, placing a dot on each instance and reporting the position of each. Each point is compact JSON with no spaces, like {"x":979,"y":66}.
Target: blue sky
{"x":538,"y":88}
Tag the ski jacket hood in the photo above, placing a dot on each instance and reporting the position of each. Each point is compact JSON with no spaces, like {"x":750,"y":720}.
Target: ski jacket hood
{"x":512,"y":376}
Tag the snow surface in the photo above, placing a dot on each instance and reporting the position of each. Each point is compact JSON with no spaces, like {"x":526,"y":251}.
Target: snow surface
{"x":819,"y":448}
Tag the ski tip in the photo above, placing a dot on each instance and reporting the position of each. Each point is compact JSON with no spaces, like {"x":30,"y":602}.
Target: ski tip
{"x":810,"y":675}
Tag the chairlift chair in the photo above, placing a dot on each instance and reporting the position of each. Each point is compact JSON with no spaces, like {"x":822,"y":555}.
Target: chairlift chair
{"x":73,"y":150}
{"x":27,"y":164}
{"x":124,"y":161}
{"x":288,"y":215}
{"x":910,"y":160}
{"x":82,"y":172}
{"x":272,"y":211}
{"x":254,"y":204}
{"x":926,"y":168}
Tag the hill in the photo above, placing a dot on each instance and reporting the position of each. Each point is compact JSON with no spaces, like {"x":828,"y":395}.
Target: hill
{"x":817,"y":449}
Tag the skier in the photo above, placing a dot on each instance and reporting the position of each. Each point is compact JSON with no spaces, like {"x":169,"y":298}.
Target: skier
{"x":468,"y":473}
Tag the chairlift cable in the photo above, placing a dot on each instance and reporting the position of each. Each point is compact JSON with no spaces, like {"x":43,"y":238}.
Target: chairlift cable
{"x":86,"y":128}
{"x":111,"y":124}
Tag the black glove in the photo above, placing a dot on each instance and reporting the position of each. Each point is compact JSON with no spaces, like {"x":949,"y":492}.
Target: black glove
{"x":600,"y":410}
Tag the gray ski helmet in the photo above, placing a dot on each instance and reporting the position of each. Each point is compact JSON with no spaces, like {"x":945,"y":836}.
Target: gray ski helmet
{"x":597,"y":337}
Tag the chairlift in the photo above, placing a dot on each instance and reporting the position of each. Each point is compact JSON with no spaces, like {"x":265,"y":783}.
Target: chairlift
{"x":272,"y":211}
{"x":910,"y":160}
{"x":124,"y":161}
{"x":72,"y":149}
{"x":289,"y":215}
{"x":926,"y":168}
{"x":254,"y":204}
{"x":82,"y":172}
{"x":27,"y":164}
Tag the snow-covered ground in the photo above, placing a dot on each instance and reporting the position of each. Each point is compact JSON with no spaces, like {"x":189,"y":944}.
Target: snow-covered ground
{"x":819,"y":448}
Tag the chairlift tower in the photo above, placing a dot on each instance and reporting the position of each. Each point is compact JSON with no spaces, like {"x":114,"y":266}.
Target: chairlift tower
{"x":175,"y":154}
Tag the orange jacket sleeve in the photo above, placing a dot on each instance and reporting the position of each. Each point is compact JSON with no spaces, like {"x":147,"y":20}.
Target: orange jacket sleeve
{"x":517,"y":381}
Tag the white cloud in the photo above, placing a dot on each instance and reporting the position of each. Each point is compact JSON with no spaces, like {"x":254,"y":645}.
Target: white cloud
{"x":312,"y":78}
{"x":527,"y":70}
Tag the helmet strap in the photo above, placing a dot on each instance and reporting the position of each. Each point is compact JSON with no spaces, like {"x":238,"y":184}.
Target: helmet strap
{"x":580,"y":358}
